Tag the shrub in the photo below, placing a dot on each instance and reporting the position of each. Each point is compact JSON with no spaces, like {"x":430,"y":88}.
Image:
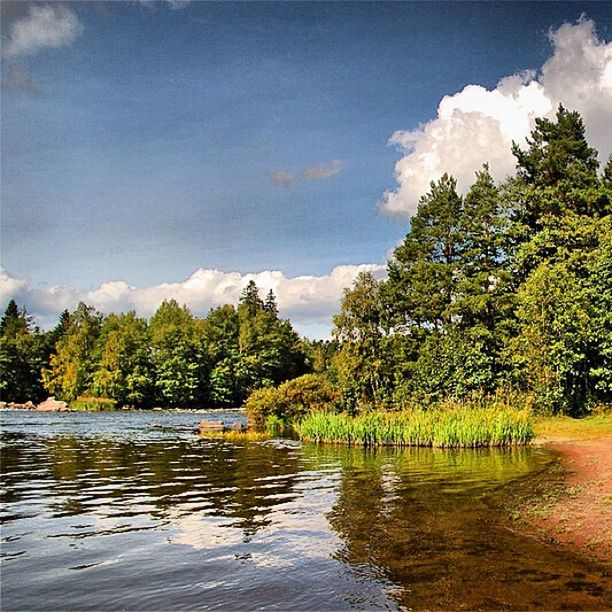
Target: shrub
{"x":92,"y":403}
{"x":291,"y":400}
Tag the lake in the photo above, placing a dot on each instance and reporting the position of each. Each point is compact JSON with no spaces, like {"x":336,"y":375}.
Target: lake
{"x":132,"y":510}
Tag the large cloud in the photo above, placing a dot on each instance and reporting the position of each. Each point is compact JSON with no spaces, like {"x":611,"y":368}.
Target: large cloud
{"x":309,"y":301}
{"x":45,"y":26}
{"x":478,"y":125}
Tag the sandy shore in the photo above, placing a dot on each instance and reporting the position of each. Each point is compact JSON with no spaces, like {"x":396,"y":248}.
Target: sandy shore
{"x":578,"y":512}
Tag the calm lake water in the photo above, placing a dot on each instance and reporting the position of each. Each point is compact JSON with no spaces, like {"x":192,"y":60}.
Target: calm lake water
{"x":131,"y":510}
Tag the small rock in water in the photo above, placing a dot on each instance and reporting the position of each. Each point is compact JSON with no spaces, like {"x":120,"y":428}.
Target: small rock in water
{"x":207,"y":425}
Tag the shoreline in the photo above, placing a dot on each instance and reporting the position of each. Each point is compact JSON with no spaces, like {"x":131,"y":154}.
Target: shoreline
{"x":574,"y":509}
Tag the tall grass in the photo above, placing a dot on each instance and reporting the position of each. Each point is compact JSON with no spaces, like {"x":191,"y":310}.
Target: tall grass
{"x":93,"y":404}
{"x":452,"y":428}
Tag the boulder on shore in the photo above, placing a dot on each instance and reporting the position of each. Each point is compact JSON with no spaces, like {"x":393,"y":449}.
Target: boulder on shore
{"x":17,"y":406}
{"x":52,"y":405}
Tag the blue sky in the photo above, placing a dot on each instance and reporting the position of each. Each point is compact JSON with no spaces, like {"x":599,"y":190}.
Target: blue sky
{"x":154,"y":139}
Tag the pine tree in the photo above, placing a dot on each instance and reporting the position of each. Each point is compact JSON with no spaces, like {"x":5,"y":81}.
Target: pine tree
{"x":423,"y":272}
{"x":270,"y":303}
{"x":22,"y":354}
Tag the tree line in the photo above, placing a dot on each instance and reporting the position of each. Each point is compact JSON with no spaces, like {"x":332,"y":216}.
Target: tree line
{"x":175,"y":359}
{"x":506,"y":289}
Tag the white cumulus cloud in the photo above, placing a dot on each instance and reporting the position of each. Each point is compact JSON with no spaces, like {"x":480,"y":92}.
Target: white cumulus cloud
{"x":478,"y":125}
{"x":45,"y":26}
{"x":309,"y":301}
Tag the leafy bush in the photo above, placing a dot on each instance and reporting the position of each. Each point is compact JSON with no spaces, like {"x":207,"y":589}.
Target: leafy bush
{"x":291,"y":400}
{"x":92,"y":403}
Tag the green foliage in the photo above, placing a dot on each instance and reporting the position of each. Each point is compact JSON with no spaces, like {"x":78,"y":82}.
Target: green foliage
{"x":423,"y":272}
{"x":598,"y":287}
{"x":72,"y":366}
{"x":23,"y":352}
{"x":92,"y":403}
{"x":175,"y":360}
{"x":290,"y":400}
{"x":269,"y":349}
{"x":452,"y":364}
{"x":550,"y":351}
{"x":457,"y":427}
{"x":507,"y":287}
{"x":359,"y":329}
{"x":125,"y":370}
{"x":319,"y":354}
{"x":178,"y":355}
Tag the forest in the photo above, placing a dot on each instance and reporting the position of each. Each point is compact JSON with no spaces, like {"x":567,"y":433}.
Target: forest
{"x":505,"y":291}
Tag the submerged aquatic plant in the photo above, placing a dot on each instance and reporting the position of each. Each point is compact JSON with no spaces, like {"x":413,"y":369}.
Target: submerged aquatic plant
{"x":454,"y":428}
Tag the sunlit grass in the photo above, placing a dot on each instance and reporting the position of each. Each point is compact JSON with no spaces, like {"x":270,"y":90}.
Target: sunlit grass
{"x":587,"y":428}
{"x":453,"y":428}
{"x":234,"y":435}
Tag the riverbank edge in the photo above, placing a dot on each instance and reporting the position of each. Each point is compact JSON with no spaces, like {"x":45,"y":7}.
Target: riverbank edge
{"x":574,"y":510}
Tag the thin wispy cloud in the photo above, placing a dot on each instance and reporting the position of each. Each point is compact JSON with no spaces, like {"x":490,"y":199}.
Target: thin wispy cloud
{"x":318,"y":172}
{"x":282,"y":178}
{"x":477,"y":124}
{"x":178,"y":4}
{"x":45,"y":26}
{"x":321,"y":172}
{"x":16,"y":79}
{"x":173,"y":4}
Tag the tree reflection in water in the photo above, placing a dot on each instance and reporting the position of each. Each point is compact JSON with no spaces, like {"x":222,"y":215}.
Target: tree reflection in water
{"x":272,"y":524}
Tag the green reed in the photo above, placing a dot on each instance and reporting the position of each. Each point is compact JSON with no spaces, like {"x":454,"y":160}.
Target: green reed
{"x":93,"y":403}
{"x":457,"y":427}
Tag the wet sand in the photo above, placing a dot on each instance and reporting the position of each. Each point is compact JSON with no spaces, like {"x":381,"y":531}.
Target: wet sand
{"x":577,"y":513}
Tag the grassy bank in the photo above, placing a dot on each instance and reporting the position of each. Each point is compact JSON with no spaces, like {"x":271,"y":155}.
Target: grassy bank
{"x":456,"y":428}
{"x":559,"y":428}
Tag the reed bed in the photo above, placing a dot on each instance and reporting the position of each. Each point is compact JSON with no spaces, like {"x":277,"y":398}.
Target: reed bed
{"x":232,"y":435}
{"x":453,"y":428}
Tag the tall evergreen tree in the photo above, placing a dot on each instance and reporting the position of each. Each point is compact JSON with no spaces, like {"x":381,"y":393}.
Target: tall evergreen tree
{"x":22,"y":355}
{"x":423,"y":272}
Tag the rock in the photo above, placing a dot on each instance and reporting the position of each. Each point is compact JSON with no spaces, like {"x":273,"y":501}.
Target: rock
{"x":3,"y":405}
{"x":206,"y":425}
{"x":239,"y":427}
{"x":29,"y":405}
{"x":52,"y":405}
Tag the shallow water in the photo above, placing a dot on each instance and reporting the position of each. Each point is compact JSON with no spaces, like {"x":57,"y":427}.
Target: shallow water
{"x":133,"y":511}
